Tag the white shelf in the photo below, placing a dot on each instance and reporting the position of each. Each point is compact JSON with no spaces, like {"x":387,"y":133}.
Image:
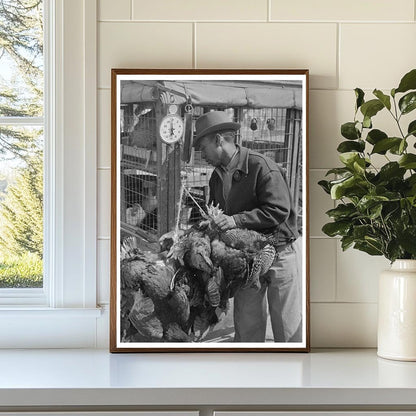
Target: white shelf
{"x":56,"y":378}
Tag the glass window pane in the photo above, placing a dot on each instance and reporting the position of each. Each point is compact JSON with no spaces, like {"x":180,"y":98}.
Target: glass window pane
{"x":21,"y":58}
{"x":21,"y":207}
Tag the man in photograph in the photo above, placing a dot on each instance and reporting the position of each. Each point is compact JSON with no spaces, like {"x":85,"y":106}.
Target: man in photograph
{"x":253,"y":193}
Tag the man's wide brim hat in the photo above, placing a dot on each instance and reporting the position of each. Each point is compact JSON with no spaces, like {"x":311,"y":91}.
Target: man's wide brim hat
{"x":212,"y":122}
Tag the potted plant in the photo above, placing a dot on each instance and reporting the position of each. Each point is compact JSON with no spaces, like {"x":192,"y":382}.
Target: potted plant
{"x":376,"y":209}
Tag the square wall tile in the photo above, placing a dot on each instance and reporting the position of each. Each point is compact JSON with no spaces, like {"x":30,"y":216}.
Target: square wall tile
{"x":200,"y":10}
{"x":323,"y":269}
{"x":272,"y":45}
{"x":376,"y":55}
{"x":357,"y":275}
{"x":104,"y":202}
{"x":142,"y":45}
{"x":327,"y":111}
{"x":114,"y":10}
{"x":103,"y":271}
{"x":104,"y":129}
{"x":319,"y":203}
{"x":342,"y":10}
{"x":343,"y":325}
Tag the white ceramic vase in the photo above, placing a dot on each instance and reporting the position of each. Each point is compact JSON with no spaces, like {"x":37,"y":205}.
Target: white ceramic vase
{"x":397,"y":312}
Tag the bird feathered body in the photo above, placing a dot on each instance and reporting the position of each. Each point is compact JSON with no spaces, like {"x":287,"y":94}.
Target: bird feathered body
{"x":244,"y":255}
{"x":160,"y":304}
{"x":178,"y":300}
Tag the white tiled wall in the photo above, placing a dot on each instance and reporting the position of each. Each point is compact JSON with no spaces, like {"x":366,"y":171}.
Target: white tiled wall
{"x":345,"y":44}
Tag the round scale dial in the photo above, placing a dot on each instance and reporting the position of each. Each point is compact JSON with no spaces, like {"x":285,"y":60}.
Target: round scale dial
{"x":171,"y":128}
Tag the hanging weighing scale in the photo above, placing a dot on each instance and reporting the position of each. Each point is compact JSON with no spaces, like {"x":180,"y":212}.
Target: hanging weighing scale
{"x":171,"y":126}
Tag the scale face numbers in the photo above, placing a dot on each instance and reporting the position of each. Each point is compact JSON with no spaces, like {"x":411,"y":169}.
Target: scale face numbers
{"x":171,"y":128}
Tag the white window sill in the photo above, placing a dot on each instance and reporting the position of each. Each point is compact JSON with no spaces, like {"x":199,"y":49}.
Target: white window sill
{"x":330,"y":379}
{"x":40,"y":327}
{"x":36,"y":312}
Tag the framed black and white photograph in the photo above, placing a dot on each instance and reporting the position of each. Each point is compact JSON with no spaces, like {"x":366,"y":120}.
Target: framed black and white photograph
{"x":209,"y":211}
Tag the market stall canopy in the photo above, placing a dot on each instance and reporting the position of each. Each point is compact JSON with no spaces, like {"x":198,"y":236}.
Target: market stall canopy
{"x":279,"y":94}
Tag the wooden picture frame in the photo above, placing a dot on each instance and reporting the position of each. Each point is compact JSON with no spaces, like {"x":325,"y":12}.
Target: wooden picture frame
{"x":166,"y":298}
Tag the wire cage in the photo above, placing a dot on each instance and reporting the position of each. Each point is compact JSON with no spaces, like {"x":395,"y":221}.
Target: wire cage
{"x":158,"y":190}
{"x":138,"y":170}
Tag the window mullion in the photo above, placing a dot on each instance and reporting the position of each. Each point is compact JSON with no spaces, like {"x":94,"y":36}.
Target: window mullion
{"x":22,"y":121}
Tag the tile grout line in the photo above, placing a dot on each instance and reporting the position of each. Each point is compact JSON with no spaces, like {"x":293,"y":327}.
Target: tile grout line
{"x":269,"y":11}
{"x":307,"y":22}
{"x":336,"y":272}
{"x":194,"y":62}
{"x":355,"y":302}
{"x":322,"y":237}
{"x":370,"y":89}
{"x":338,"y":63}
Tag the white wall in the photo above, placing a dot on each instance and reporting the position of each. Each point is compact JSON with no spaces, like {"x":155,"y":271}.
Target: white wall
{"x":345,"y":44}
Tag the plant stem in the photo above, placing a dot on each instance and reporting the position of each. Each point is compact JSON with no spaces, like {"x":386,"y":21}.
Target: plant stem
{"x":396,"y":119}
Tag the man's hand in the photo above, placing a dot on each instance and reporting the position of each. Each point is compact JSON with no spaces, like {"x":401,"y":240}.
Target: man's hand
{"x":225,"y":222}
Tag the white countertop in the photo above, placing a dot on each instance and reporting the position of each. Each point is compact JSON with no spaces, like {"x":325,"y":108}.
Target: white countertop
{"x":96,"y":377}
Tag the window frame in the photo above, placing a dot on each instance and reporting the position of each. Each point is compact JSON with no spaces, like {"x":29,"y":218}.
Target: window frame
{"x":70,"y":207}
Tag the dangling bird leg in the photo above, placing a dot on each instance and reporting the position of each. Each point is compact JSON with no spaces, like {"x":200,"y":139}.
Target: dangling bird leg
{"x":172,"y":281}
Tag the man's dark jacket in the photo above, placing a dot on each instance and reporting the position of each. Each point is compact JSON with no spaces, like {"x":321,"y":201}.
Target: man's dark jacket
{"x":259,"y":199}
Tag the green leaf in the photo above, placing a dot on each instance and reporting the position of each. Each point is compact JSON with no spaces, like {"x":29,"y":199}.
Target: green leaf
{"x":342,"y":211}
{"x":411,"y":130}
{"x":411,"y":184}
{"x":349,"y":131}
{"x":338,"y":189}
{"x":367,"y":122}
{"x":371,"y":108}
{"x":349,"y":146}
{"x":346,"y":242}
{"x":408,"y":161}
{"x":336,"y":228}
{"x":359,"y":94}
{"x":391,"y":170}
{"x":392,"y":196}
{"x":325,"y":186}
{"x":398,"y":149}
{"x":407,"y":240}
{"x":412,"y":202}
{"x":375,"y":135}
{"x":369,"y":248}
{"x":352,"y":186}
{"x":411,"y":180}
{"x":383,"y":145}
{"x":361,"y":231}
{"x":408,"y":102}
{"x":342,"y":179}
{"x":359,"y":166}
{"x":348,"y":158}
{"x":385,"y":99}
{"x":338,"y":171}
{"x":393,"y":250}
{"x":369,"y":201}
{"x":375,"y":212}
{"x":408,"y":82}
{"x":391,"y":212}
